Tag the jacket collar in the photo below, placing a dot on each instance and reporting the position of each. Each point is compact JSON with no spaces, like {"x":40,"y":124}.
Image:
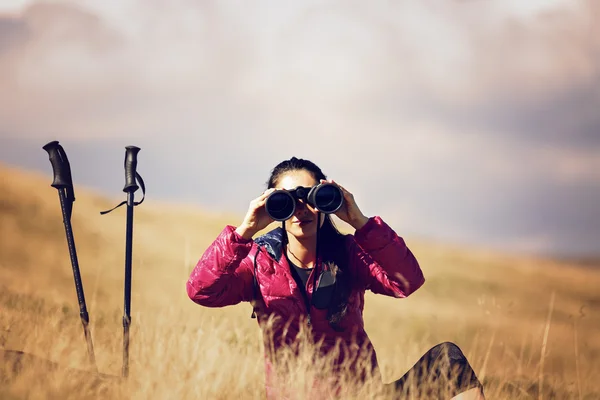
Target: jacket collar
{"x":272,"y":241}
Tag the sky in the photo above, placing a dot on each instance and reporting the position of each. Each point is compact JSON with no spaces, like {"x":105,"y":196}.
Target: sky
{"x":468,"y":121}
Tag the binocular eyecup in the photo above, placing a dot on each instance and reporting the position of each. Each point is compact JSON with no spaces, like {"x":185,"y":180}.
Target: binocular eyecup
{"x":325,"y":197}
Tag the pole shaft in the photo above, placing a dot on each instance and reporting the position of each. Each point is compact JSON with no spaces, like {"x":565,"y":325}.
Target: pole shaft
{"x":128,"y":253}
{"x":128,"y":262}
{"x":66,"y":208}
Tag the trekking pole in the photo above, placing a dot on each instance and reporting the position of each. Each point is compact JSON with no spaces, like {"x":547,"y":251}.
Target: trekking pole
{"x":63,"y":182}
{"x":131,"y":186}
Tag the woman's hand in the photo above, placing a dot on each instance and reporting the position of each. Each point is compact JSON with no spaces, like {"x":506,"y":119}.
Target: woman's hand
{"x":257,"y":217}
{"x":349,"y":212}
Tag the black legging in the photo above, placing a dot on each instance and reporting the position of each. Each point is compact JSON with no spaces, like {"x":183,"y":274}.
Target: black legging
{"x":442,"y":372}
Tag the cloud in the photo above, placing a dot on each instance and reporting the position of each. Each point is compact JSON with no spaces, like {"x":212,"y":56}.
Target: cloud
{"x":447,"y":116}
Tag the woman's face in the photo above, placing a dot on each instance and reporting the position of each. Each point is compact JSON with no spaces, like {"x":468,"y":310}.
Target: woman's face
{"x":303,"y":223}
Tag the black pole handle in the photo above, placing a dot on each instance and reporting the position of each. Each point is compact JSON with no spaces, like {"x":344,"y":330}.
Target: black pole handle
{"x":131,"y":153}
{"x":60,"y":165}
{"x":131,"y":179}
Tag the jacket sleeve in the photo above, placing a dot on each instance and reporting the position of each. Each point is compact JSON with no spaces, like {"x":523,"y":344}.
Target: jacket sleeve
{"x":382,"y":262}
{"x":223,"y":276}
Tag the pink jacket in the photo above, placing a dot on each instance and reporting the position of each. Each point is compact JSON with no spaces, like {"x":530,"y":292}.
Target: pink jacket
{"x":379,"y":260}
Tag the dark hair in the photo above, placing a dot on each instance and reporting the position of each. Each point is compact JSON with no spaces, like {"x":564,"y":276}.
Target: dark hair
{"x":331,"y":242}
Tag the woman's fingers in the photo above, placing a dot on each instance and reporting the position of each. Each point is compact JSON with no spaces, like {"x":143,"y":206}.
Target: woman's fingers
{"x":260,"y":200}
{"x":333,"y":183}
{"x":266,"y":193}
{"x":346,"y":193}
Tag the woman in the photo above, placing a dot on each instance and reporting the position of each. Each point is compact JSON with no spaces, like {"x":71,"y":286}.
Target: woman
{"x":279,"y":271}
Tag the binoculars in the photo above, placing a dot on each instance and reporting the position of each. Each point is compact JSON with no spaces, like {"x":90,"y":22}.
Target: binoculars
{"x":325,"y":197}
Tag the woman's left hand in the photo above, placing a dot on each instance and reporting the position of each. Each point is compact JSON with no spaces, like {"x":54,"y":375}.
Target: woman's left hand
{"x":349,"y":212}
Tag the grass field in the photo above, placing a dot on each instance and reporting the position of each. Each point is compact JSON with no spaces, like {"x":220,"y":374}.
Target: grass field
{"x":528,"y":326}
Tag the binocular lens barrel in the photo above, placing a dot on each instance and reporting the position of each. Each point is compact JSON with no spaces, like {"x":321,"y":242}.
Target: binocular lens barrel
{"x":281,"y":205}
{"x":326,"y":198}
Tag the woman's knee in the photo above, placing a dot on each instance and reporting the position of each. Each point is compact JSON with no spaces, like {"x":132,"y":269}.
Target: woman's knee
{"x":448,"y":349}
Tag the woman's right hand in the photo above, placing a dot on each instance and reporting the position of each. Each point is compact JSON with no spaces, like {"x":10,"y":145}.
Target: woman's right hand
{"x":257,"y":217}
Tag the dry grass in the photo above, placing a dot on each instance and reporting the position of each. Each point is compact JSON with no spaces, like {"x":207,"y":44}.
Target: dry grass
{"x":497,"y":308}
